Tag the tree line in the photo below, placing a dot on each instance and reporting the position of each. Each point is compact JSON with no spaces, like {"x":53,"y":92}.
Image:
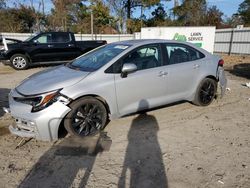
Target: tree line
{"x":114,"y":16}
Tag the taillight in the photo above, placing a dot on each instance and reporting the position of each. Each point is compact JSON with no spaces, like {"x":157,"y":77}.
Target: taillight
{"x":221,"y":62}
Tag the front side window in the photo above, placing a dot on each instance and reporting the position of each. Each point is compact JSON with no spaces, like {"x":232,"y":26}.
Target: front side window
{"x":177,"y":53}
{"x":95,"y":59}
{"x":144,"y":58}
{"x":44,"y":38}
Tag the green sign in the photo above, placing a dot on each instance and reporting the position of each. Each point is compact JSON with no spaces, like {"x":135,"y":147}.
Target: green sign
{"x":183,"y":38}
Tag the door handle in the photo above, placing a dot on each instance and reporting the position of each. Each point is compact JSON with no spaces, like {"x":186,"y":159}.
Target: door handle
{"x":196,"y":66}
{"x":70,"y":45}
{"x":50,"y":45}
{"x":162,"y":74}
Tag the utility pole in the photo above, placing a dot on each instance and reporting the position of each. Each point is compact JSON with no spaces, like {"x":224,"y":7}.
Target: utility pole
{"x":92,"y":24}
{"x":142,"y":6}
{"x":43,"y":7}
{"x":176,"y":3}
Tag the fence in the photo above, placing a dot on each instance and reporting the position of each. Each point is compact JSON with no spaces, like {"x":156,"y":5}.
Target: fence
{"x":232,"y":41}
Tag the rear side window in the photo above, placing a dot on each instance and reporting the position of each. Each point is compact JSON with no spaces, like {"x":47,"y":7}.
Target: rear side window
{"x":61,"y":37}
{"x":178,"y":53}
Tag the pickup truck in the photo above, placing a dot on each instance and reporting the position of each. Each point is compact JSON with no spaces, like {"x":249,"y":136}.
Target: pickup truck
{"x":45,"y":48}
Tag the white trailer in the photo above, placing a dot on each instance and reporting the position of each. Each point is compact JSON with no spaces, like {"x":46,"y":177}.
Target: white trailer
{"x":201,"y":36}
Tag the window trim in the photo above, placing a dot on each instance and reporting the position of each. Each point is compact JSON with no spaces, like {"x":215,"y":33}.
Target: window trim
{"x":52,"y":35}
{"x":166,"y":60}
{"x":158,"y":45}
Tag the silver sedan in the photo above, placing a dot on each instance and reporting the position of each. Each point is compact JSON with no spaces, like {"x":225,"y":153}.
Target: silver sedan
{"x":112,"y":81}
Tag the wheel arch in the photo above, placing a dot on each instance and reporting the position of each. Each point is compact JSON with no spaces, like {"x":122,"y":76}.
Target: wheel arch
{"x":98,"y":97}
{"x":61,"y":130}
{"x":192,"y":96}
{"x":19,"y":52}
{"x":212,"y":77}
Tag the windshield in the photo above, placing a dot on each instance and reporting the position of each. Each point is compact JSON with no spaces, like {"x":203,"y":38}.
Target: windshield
{"x":97,"y":58}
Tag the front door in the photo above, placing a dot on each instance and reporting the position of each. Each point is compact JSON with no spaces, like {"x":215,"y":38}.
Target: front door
{"x":42,"y":48}
{"x":145,"y":88}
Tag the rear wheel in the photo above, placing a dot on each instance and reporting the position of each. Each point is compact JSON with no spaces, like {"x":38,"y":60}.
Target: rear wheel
{"x":19,"y":62}
{"x":87,"y":117}
{"x":205,"y":93}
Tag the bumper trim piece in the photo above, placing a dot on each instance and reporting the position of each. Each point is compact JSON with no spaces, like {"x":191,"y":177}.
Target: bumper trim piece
{"x":6,"y":110}
{"x":222,"y":81}
{"x":21,"y":133}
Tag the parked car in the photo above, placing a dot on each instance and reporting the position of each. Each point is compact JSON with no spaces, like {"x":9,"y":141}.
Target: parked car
{"x":112,"y":81}
{"x":45,"y":48}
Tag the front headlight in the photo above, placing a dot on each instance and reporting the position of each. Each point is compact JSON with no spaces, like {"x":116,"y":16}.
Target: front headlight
{"x":42,"y":101}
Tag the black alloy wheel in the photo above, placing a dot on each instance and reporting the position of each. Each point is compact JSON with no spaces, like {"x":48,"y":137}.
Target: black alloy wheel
{"x":87,"y":117}
{"x":206,"y":92}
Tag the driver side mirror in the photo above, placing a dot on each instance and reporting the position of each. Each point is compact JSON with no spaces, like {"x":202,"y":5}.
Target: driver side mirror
{"x":128,"y":68}
{"x":35,"y":42}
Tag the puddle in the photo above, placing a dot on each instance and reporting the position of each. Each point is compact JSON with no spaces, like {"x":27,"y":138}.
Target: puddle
{"x":4,"y":131}
{"x":91,"y":146}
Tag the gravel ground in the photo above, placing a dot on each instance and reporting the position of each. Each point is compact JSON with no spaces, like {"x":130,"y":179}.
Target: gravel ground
{"x":177,"y":146}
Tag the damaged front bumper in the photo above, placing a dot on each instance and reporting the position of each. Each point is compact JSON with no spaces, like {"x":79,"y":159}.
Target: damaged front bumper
{"x":42,"y":125}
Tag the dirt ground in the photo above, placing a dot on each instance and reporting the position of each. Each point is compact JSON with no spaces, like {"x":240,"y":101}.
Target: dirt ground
{"x":177,"y":146}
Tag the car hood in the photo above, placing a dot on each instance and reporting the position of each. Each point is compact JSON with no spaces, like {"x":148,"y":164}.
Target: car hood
{"x":50,"y":80}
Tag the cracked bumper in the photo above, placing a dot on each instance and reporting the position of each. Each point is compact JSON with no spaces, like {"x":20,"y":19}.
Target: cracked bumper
{"x":42,"y":125}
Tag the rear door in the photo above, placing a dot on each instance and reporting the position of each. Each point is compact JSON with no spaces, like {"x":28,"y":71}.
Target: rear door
{"x":183,"y":67}
{"x":64,"y":46}
{"x":145,"y":88}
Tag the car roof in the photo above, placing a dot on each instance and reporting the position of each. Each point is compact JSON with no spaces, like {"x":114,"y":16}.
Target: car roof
{"x":139,"y":42}
{"x":149,"y":41}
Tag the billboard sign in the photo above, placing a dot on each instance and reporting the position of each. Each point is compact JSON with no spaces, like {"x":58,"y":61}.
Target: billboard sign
{"x":202,"y":37}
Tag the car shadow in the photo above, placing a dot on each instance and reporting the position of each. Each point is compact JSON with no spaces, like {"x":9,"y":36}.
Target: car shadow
{"x":4,"y":92}
{"x":67,"y":164}
{"x":241,"y":70}
{"x":143,"y":163}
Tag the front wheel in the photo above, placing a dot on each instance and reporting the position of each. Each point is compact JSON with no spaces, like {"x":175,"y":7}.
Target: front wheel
{"x":19,"y":62}
{"x":87,"y":117}
{"x":205,"y":93}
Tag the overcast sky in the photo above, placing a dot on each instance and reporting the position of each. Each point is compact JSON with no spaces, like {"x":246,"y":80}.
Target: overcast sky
{"x":228,"y":7}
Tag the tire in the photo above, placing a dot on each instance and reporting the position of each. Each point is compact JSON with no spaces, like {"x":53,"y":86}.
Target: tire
{"x":19,"y":62}
{"x":87,"y":117}
{"x":206,"y":92}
